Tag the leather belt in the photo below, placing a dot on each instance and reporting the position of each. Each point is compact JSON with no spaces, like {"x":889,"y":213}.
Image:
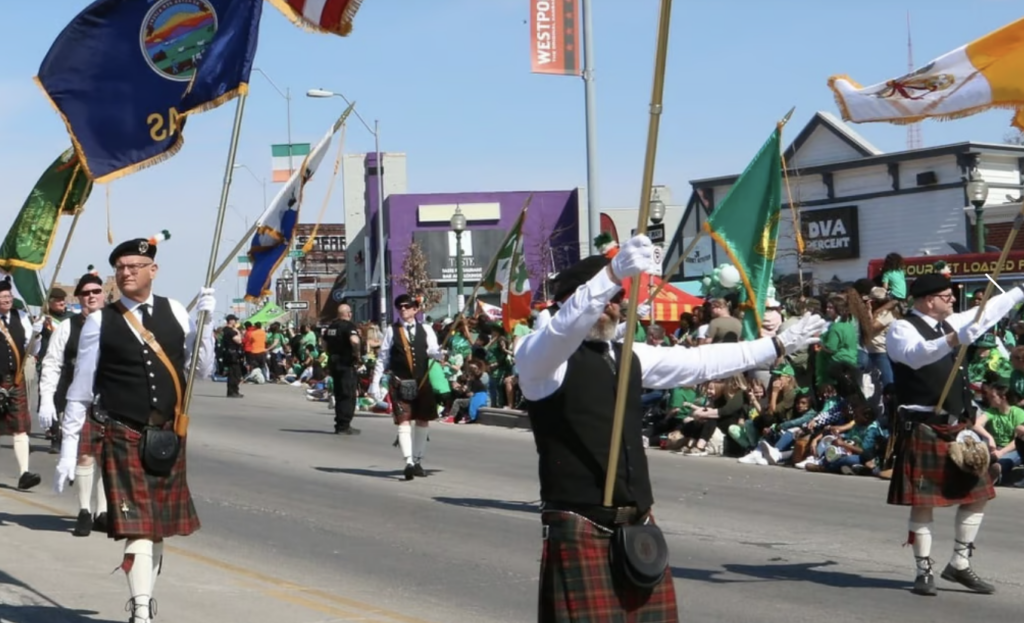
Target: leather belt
{"x":602,"y":515}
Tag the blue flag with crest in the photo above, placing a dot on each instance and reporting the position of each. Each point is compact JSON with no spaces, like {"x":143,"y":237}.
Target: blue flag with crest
{"x":125,"y":73}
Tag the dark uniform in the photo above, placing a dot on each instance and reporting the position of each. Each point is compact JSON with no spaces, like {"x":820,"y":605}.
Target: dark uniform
{"x":15,"y":420}
{"x":342,"y":367}
{"x":233,"y":356}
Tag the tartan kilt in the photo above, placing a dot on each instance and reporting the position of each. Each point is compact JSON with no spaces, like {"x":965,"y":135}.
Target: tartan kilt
{"x":578,"y":585}
{"x":18,"y":420}
{"x":157,"y":507}
{"x":423,"y":409}
{"x":924,"y":475}
{"x":90,"y":440}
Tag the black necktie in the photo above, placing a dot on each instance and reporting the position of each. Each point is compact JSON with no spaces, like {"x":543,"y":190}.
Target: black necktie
{"x":603,"y":349}
{"x":147,"y":320}
{"x":6,"y":324}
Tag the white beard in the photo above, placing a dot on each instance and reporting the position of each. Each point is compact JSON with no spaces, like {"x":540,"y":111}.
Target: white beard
{"x":602,"y":331}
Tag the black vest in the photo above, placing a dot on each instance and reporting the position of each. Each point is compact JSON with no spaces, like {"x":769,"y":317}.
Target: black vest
{"x":923,"y":386}
{"x":573,"y":427}
{"x":8,"y":362}
{"x":67,"y":369}
{"x":399,"y":362}
{"x":130,"y":379}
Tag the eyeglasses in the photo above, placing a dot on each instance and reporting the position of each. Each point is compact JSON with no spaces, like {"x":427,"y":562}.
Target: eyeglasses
{"x":132,"y":268}
{"x":406,"y":306}
{"x":945,"y":297}
{"x":91,"y":292}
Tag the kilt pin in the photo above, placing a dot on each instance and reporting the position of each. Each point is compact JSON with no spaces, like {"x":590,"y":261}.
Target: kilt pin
{"x":17,"y":420}
{"x":925,"y":476}
{"x":142,"y":505}
{"x":577,"y":585}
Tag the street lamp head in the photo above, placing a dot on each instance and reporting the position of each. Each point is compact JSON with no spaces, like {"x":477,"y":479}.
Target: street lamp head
{"x":977,"y":191}
{"x":458,"y":221}
{"x":319,"y":93}
{"x":657,"y":211}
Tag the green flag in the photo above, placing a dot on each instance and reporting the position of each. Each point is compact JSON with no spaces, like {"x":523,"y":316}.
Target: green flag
{"x":746,"y":226}
{"x":61,"y":190}
{"x":27,"y":283}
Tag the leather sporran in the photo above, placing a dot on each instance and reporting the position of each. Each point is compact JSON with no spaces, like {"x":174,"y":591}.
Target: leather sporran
{"x":408,"y":391}
{"x":969,"y":453}
{"x":639,"y":554}
{"x":5,"y":402}
{"x":158,"y":449}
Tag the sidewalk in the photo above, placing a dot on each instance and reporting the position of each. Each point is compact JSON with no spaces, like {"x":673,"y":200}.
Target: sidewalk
{"x":49,"y":576}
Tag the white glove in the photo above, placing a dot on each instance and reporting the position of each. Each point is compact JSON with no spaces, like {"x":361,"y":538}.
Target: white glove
{"x":805,"y":332}
{"x":65,"y":473}
{"x":207,"y":302}
{"x":47,"y":414}
{"x":635,"y":256}
{"x":970,"y":332}
{"x":37,"y":326}
{"x":643,"y":310}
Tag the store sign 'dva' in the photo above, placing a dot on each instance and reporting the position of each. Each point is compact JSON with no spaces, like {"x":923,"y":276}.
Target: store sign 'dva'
{"x":832,"y":233}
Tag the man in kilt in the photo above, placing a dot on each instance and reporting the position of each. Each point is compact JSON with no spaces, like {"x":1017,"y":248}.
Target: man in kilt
{"x":922,"y":347}
{"x":567,"y":373}
{"x":127,"y":385}
{"x":405,"y":352}
{"x":56,"y":312}
{"x":15,"y":344}
{"x":57,"y":371}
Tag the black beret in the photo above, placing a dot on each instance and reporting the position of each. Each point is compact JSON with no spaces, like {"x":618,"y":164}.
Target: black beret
{"x":5,"y":284}
{"x":568,"y":280}
{"x":931,"y":283}
{"x":405,"y":299}
{"x":137,"y":246}
{"x":87,"y":278}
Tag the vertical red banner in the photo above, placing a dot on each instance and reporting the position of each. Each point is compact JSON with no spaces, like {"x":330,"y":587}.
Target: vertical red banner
{"x":555,"y":37}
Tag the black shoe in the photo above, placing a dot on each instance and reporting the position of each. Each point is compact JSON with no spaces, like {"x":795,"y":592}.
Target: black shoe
{"x":410,"y":471}
{"x":924,"y":584}
{"x":968,"y":578}
{"x":83,"y":525}
{"x":99,"y":524}
{"x":418,"y":471}
{"x":28,"y":480}
{"x":346,"y":431}
{"x":235,"y":396}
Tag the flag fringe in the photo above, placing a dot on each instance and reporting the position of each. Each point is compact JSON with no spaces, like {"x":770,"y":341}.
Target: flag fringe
{"x":241,"y":89}
{"x":109,"y":177}
{"x":62,"y":209}
{"x":344,"y":27}
{"x":751,"y":295}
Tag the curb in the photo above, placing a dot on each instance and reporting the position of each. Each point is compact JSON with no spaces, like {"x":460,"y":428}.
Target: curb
{"x":506,"y":418}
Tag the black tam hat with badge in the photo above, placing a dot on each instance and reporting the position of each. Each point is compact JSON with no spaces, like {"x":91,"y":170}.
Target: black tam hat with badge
{"x":567,"y":281}
{"x":92,"y":277}
{"x":139,"y":246}
{"x":932,"y":283}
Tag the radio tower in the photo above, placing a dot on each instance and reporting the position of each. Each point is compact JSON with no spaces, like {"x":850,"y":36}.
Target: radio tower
{"x":914,"y":129}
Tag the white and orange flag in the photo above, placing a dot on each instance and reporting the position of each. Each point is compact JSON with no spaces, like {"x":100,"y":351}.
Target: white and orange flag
{"x":508,"y":274}
{"x":979,"y":76}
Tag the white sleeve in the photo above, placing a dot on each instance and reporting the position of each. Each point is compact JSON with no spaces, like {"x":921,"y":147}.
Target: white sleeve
{"x":383,"y":356}
{"x":997,"y":307}
{"x":31,"y":346}
{"x":668,"y":368}
{"x":207,"y":356}
{"x":80,"y":394}
{"x":433,"y":349}
{"x":905,"y":345}
{"x":542,"y":355}
{"x":53,"y":360}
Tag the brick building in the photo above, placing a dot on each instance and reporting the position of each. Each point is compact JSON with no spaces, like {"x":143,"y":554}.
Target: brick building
{"x":317,"y":270}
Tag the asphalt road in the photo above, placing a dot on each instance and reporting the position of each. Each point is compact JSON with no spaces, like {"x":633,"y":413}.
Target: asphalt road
{"x":281,"y":497}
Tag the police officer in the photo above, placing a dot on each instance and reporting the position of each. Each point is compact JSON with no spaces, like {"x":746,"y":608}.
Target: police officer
{"x":231,"y":347}
{"x":343,"y":346}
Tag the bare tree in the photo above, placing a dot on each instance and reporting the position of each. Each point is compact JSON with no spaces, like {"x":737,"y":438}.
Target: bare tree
{"x":415,"y":278}
{"x":552,"y":256}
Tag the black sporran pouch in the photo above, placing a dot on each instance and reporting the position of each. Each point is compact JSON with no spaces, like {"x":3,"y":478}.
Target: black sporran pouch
{"x":639,"y":554}
{"x":158,"y":449}
{"x":408,"y":391}
{"x":5,"y":402}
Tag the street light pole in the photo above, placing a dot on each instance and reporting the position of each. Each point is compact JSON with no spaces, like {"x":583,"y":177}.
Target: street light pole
{"x":977,"y":193}
{"x":593,"y":208}
{"x":458,"y":224}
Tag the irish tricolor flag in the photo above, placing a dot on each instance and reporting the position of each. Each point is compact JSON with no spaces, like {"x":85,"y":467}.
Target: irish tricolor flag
{"x":981,"y":75}
{"x":282,"y":166}
{"x":508,"y":275}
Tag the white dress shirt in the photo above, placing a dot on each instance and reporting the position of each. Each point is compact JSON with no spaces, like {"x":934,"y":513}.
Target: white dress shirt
{"x":53,"y":361}
{"x":384,"y":358}
{"x":26,"y":325}
{"x":905,"y":345}
{"x":542,"y":356}
{"x":80,"y":394}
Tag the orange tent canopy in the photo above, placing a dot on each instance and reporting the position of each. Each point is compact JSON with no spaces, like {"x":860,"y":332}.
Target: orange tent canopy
{"x":670,"y":303}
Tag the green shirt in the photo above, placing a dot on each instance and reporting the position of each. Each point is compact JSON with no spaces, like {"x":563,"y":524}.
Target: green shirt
{"x":897,"y":282}
{"x":678,"y":397}
{"x":1003,"y":425}
{"x":841,"y":341}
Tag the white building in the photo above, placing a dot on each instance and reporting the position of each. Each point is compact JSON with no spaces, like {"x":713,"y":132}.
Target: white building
{"x":857,"y":203}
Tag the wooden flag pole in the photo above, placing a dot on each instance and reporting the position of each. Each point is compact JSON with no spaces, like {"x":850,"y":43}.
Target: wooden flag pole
{"x":962,"y":349}
{"x":181,"y":423}
{"x":246,"y":239}
{"x":634,"y":285}
{"x":53,"y":278}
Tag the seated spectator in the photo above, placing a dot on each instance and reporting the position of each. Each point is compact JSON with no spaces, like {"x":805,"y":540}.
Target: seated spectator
{"x":728,"y":406}
{"x":845,"y":448}
{"x":1002,"y":426}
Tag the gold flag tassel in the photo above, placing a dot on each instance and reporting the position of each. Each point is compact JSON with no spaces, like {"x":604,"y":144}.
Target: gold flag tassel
{"x":306,"y":248}
{"x":110,"y":231}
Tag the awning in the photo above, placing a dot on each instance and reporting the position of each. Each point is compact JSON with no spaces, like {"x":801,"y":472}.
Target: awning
{"x":671,"y":301}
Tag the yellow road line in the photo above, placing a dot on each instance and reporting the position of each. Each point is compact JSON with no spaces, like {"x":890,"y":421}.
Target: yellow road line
{"x":284,"y":588}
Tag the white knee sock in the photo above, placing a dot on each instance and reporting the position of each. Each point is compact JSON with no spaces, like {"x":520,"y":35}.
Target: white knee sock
{"x":968,"y":522}
{"x":405,"y":441}
{"x":84,"y":482}
{"x":419,"y":442}
{"x":158,"y":563}
{"x":920,"y":537}
{"x":140,"y":576}
{"x":21,"y":452}
{"x":101,"y":492}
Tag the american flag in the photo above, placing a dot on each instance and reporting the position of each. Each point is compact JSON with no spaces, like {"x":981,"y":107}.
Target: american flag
{"x":333,"y":16}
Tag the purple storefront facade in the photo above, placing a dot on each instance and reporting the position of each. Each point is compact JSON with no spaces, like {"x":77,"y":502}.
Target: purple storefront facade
{"x":552,"y":237}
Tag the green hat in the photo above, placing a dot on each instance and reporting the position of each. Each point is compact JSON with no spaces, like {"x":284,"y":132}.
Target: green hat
{"x":986,"y":341}
{"x":784,"y":370}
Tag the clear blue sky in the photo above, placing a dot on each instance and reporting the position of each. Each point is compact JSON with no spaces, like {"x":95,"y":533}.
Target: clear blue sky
{"x":450,"y":82}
